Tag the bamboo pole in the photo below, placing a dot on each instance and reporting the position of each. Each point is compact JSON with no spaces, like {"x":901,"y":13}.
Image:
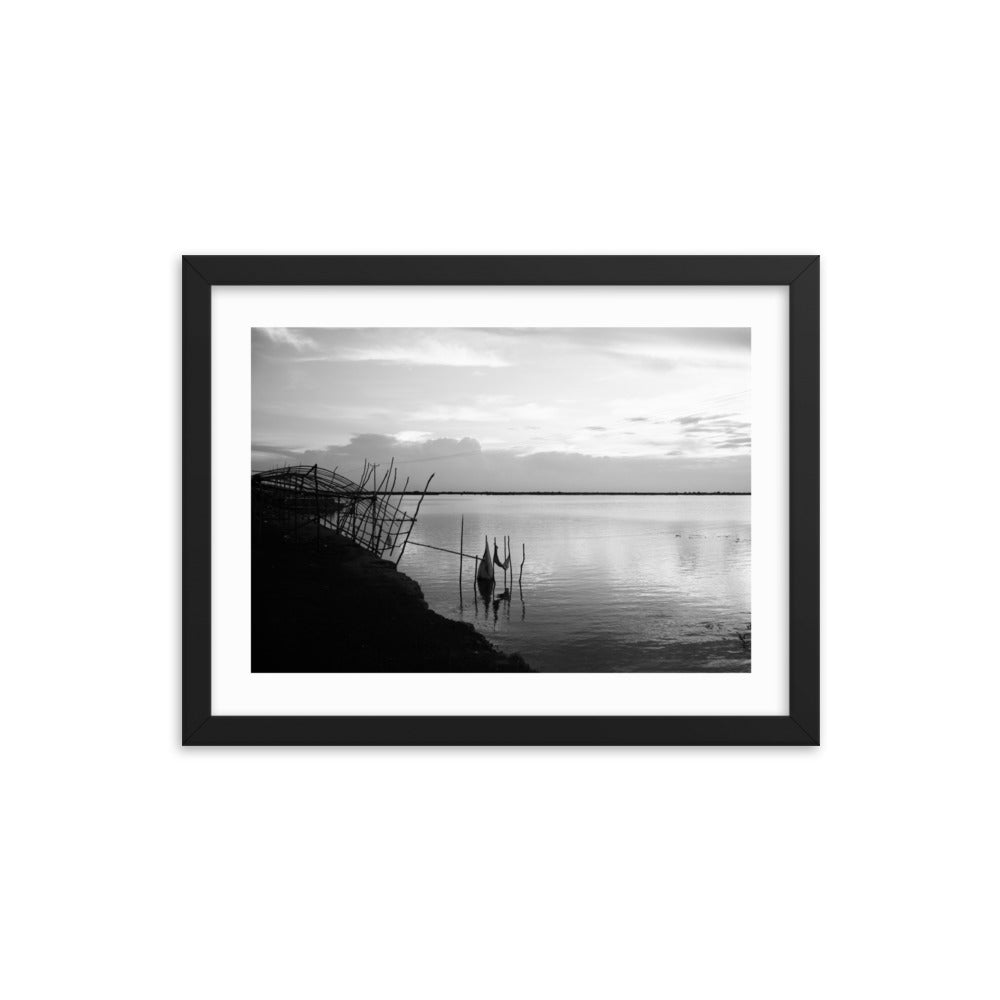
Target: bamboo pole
{"x":413,"y":521}
{"x":295,"y":507}
{"x":339,"y":508}
{"x":373,"y":542}
{"x":388,"y":505}
{"x":404,"y":515}
{"x":381,"y":506}
{"x":461,"y":549}
{"x":315,"y":470}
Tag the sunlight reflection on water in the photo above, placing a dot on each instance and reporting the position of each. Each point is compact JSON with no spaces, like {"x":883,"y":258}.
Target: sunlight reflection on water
{"x":610,"y":583}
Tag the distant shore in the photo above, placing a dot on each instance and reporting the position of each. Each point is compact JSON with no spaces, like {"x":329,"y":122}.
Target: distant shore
{"x":325,"y":605}
{"x":564,"y":493}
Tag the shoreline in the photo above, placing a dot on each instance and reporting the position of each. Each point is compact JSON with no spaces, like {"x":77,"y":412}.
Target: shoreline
{"x":552,"y":493}
{"x":326,"y":605}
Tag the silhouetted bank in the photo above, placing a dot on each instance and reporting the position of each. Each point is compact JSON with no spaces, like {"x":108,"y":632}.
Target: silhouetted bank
{"x":329,"y":606}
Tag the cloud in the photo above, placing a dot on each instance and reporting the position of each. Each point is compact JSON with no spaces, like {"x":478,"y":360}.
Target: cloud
{"x":735,"y":442}
{"x":646,"y":362}
{"x":654,"y":342}
{"x":716,"y":431}
{"x":380,"y":448}
{"x":510,"y":392}
{"x":275,"y":450}
{"x":697,"y":419}
{"x":462,"y":464}
{"x":424,"y":352}
{"x":669,"y":349}
{"x":451,"y":414}
{"x":449,"y":348}
{"x":288,"y":336}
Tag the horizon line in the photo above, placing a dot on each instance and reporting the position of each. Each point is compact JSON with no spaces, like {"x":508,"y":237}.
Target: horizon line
{"x":573,"y":493}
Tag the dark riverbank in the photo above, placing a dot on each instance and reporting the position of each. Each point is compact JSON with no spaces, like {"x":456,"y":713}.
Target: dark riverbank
{"x":329,"y":606}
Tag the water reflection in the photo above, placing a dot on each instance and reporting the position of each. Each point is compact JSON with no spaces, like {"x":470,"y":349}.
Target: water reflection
{"x":616,"y":583}
{"x":486,"y":593}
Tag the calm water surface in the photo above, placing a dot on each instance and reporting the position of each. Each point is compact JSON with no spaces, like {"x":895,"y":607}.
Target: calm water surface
{"x":609,"y":583}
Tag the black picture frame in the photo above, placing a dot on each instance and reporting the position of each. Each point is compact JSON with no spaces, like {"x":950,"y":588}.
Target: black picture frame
{"x":799,"y":728}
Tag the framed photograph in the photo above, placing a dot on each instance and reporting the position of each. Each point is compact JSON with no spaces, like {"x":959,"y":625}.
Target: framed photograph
{"x":501,"y":500}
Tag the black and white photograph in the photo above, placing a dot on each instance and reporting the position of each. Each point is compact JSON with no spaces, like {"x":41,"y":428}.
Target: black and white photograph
{"x":551,"y":500}
{"x":523,"y":522}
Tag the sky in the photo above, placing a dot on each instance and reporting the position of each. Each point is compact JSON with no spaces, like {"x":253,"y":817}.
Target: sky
{"x":592,"y":409}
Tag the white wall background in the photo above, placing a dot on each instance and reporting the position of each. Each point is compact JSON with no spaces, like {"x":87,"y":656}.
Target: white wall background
{"x":863,"y":131}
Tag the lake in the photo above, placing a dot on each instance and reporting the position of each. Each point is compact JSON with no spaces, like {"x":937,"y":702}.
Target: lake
{"x":610,"y":583}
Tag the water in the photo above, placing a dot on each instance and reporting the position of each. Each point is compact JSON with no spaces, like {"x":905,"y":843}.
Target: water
{"x":610,"y":583}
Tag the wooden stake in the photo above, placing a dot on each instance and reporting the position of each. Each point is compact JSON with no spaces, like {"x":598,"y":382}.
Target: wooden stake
{"x":315,"y":472}
{"x":413,"y":521}
{"x":461,"y":559}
